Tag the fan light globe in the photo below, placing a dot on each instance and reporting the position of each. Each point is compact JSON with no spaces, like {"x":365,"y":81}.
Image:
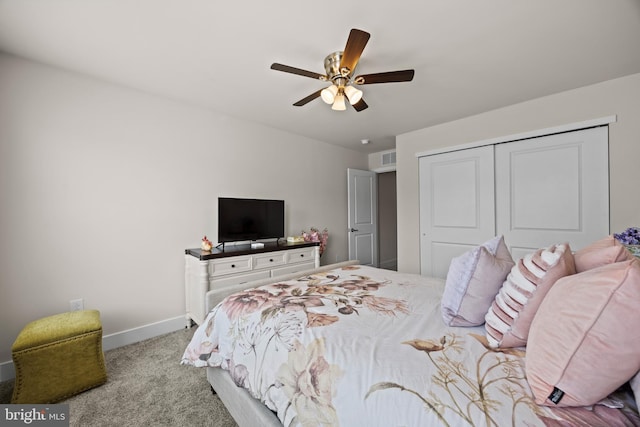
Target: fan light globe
{"x":329,"y":94}
{"x":354,"y":95}
{"x":339,"y":104}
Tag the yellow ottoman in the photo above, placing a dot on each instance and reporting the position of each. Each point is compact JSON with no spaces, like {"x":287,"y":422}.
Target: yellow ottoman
{"x":58,"y":356}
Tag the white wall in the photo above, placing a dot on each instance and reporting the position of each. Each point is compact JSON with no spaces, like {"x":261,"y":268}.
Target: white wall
{"x":620,"y":97}
{"x":102,"y":188}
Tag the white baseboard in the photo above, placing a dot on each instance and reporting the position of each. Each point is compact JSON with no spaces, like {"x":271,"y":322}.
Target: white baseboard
{"x":131,"y":336}
{"x":119,"y":339}
{"x":7,"y":371}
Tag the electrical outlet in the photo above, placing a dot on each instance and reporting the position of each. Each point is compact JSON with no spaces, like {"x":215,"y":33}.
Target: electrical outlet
{"x":76,"y":304}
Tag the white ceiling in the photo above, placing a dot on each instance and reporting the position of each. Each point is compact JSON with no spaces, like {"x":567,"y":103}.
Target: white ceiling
{"x":470,"y":56}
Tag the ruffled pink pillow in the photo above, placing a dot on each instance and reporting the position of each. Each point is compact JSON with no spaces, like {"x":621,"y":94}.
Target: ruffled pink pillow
{"x":602,"y":252}
{"x":584,"y":342}
{"x":509,"y":318}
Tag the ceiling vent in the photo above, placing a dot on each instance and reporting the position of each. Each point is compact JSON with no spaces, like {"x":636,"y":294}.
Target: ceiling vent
{"x":389,"y":158}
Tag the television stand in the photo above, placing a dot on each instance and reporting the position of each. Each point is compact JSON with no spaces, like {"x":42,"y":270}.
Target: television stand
{"x":240,"y":264}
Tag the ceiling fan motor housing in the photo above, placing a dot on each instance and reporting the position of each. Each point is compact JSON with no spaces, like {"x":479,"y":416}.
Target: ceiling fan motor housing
{"x":332,"y":67}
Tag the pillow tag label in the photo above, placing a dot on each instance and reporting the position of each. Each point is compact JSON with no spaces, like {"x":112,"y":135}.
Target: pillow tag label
{"x":556,"y":395}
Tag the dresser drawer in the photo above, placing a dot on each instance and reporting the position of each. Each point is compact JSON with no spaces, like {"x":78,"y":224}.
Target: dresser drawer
{"x":269,"y":260}
{"x":237,"y":279}
{"x":301,"y":255}
{"x":293,"y":268}
{"x":233,"y":265}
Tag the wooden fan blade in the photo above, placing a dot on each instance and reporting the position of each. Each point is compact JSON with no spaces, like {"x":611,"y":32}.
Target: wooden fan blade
{"x":388,"y":77}
{"x":360,"y":105}
{"x":355,"y":45}
{"x":309,"y":98}
{"x":298,"y":71}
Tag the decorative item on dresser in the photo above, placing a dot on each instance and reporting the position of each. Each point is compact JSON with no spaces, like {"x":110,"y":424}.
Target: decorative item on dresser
{"x":314,"y":235}
{"x":219,"y":268}
{"x":206,"y":245}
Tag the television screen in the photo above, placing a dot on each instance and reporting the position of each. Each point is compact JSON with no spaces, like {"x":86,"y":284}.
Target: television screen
{"x":249,"y":219}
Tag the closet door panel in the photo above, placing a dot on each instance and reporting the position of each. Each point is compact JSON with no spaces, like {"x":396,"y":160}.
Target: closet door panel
{"x":456,"y":206}
{"x":553,"y":189}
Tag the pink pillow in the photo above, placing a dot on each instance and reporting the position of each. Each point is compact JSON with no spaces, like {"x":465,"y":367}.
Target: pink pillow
{"x":509,"y":318}
{"x":473,"y":280}
{"x":585,"y":340}
{"x":635,"y":387}
{"x":602,"y":252}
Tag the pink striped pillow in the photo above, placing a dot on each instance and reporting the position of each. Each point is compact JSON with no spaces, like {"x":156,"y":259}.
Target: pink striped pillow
{"x":510,"y":316}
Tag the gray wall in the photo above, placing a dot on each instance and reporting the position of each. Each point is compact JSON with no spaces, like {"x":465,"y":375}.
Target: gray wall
{"x":103,"y":188}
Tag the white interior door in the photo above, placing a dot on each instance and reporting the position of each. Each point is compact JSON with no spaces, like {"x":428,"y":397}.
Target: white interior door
{"x":457,"y":210}
{"x":362,"y":216}
{"x":553,"y":189}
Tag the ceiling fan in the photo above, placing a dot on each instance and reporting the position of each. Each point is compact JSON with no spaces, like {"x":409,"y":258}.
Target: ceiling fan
{"x":339,"y":67}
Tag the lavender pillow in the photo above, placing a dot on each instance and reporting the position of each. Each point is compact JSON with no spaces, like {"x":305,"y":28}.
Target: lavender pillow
{"x":473,"y":280}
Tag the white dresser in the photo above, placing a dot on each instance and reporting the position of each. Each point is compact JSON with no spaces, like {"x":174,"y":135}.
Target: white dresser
{"x":240,"y":264}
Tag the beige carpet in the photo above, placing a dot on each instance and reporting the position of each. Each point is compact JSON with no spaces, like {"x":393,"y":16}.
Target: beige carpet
{"x":147,"y":386}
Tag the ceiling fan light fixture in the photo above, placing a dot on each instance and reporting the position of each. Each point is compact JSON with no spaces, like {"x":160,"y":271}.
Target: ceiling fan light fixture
{"x":353,"y":95}
{"x":339,"y":104}
{"x":340,"y":67}
{"x":329,"y":94}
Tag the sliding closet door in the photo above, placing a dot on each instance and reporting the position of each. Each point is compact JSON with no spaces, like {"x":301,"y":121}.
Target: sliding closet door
{"x":456,"y":206}
{"x":553,"y":189}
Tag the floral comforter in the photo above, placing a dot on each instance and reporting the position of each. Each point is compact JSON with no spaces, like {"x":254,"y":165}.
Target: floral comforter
{"x":360,"y":346}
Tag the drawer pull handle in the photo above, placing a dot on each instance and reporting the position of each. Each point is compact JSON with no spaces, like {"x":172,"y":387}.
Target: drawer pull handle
{"x":271,"y":260}
{"x":302,"y":255}
{"x":233,"y":266}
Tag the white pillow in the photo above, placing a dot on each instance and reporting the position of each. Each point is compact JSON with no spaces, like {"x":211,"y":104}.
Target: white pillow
{"x":473,"y":280}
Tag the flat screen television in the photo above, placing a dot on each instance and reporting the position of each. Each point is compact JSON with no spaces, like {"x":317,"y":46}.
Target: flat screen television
{"x":249,"y":219}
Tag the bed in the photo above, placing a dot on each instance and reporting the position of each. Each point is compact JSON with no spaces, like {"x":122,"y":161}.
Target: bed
{"x":354,"y":345}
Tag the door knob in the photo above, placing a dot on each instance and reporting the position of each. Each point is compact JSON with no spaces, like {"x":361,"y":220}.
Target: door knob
{"x":353,"y":229}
